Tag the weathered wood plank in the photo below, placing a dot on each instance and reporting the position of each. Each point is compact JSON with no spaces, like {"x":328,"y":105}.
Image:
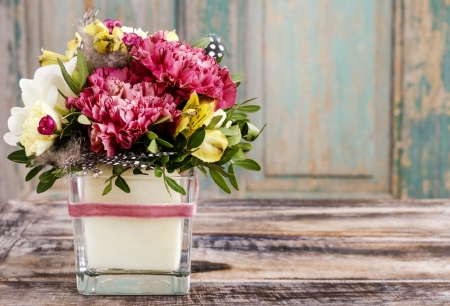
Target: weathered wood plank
{"x":226,"y":293}
{"x":307,"y":101}
{"x":256,"y":252}
{"x":244,"y":240}
{"x":15,"y":43}
{"x":198,"y":18}
{"x":426,"y":95}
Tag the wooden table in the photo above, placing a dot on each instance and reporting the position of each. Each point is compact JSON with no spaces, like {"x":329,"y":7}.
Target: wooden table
{"x":255,"y":252}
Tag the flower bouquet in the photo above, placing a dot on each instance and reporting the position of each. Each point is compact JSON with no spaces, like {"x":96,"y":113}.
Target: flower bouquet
{"x":141,"y":112}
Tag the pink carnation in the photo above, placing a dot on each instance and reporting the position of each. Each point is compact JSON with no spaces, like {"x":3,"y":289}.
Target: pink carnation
{"x":122,"y":105}
{"x":184,"y":69}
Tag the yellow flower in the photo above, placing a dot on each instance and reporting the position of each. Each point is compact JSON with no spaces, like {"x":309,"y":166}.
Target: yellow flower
{"x":195,"y":113}
{"x":73,"y":45}
{"x":31,"y":139}
{"x":212,"y":147}
{"x":103,"y":41}
{"x":50,"y":58}
{"x":171,"y":36}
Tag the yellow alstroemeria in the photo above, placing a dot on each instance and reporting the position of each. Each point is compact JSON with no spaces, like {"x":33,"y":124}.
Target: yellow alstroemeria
{"x":171,"y":36}
{"x":73,"y":45}
{"x":195,"y":113}
{"x":103,"y":41}
{"x":212,"y":147}
{"x":50,"y":58}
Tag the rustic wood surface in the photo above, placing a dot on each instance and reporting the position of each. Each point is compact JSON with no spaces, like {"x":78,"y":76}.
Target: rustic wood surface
{"x":252,"y":252}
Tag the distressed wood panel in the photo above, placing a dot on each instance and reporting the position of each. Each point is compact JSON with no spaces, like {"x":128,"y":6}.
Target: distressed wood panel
{"x":324,"y":87}
{"x":426,"y":100}
{"x":149,"y":15}
{"x":328,"y":106}
{"x":19,"y":39}
{"x":197,"y":18}
{"x":389,"y":251}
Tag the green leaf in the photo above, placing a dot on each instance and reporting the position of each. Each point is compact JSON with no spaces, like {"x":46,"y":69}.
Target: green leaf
{"x":84,"y":120}
{"x":137,"y":171}
{"x":202,"y":43}
{"x":196,"y":139}
{"x":251,"y":132}
{"x":196,"y":161}
{"x":232,"y":179}
{"x":33,"y":172}
{"x":246,"y":101}
{"x":107,"y":189}
{"x":248,"y":164}
{"x":82,"y":69}
{"x":233,"y":140}
{"x":182,"y":157}
{"x":67,"y":131}
{"x":180,"y":142}
{"x":161,"y":120}
{"x":153,"y":147}
{"x":62,"y":95}
{"x":122,"y":184}
{"x":164,"y":143}
{"x":48,"y":176}
{"x":236,"y":78}
{"x":230,"y":152}
{"x":227,"y":132}
{"x":174,"y":185}
{"x":202,"y":170}
{"x":219,"y":180}
{"x":239,"y":155}
{"x":245,"y":146}
{"x":218,"y":169}
{"x":19,"y":157}
{"x":178,"y":165}
{"x":158,"y":171}
{"x":227,"y":155}
{"x":151,"y":135}
{"x":249,"y":108}
{"x":44,"y":186}
{"x":118,"y":169}
{"x":165,"y":159}
{"x":213,"y":122}
{"x":219,"y":59}
{"x":238,"y":116}
{"x":67,"y":78}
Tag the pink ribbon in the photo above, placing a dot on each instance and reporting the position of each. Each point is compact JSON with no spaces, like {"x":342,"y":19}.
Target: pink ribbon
{"x":143,"y":211}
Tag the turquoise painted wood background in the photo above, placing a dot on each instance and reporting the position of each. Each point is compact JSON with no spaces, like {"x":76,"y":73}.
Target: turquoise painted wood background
{"x":355,"y":92}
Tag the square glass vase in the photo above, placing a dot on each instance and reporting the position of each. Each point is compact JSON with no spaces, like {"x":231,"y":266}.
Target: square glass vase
{"x":138,"y":255}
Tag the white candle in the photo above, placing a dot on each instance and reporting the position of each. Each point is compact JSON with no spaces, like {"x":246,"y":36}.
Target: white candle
{"x":130,"y":243}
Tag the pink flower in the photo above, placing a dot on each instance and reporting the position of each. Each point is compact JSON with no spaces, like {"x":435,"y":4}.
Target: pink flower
{"x":122,"y":105}
{"x":111,"y":24}
{"x":184,"y":69}
{"x":46,"y":125}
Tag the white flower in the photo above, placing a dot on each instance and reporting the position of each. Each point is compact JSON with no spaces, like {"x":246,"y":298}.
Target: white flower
{"x":138,"y":32}
{"x":31,"y":139}
{"x":44,"y":87}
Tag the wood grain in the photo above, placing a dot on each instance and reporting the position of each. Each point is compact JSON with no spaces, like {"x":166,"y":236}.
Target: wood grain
{"x":328,"y":129}
{"x":216,"y":293}
{"x":426,"y":94}
{"x":256,"y":251}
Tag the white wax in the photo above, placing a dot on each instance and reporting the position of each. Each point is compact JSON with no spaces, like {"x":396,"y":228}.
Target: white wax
{"x":130,"y":243}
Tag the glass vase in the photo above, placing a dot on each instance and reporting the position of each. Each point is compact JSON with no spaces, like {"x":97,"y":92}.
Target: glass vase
{"x":135,"y":243}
